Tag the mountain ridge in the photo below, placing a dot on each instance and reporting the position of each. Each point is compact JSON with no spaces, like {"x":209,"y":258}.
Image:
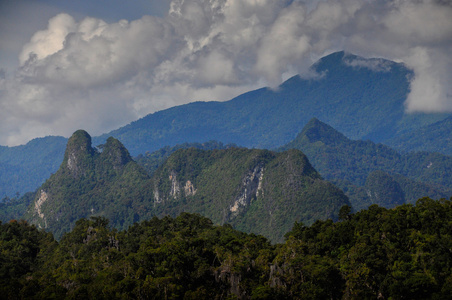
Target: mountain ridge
{"x":292,"y":105}
{"x":235,"y":185}
{"x":362,"y":98}
{"x":351,"y":165}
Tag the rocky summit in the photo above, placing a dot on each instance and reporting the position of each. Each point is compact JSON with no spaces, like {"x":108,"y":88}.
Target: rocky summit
{"x":257,"y":191}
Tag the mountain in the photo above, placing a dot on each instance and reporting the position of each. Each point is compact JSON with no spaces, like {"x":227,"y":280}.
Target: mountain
{"x":372,"y":173}
{"x":254,"y":190}
{"x":89,"y":182}
{"x":363,"y":98}
{"x":24,"y":168}
{"x":436,"y":137}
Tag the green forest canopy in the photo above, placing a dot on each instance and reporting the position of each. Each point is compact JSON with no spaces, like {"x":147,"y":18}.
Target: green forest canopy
{"x":400,"y":253}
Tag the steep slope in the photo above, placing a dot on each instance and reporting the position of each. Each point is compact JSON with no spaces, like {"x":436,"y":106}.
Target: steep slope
{"x":88,"y":182}
{"x":24,"y":168}
{"x":256,"y":191}
{"x":363,"y":98}
{"x":436,"y":137}
{"x":357,"y":167}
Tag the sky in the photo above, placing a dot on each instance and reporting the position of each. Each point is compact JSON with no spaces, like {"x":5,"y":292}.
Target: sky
{"x":101,"y":64}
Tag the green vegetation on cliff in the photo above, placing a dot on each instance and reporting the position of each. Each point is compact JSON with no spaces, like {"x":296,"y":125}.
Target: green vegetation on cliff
{"x":90,"y":183}
{"x":152,"y":160}
{"x":256,"y":191}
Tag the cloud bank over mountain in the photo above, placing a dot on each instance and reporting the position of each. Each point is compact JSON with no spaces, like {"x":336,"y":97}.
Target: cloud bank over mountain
{"x":96,"y":75}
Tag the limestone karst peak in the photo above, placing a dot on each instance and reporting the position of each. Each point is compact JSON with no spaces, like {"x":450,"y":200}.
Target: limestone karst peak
{"x":79,"y":153}
{"x":115,"y":153}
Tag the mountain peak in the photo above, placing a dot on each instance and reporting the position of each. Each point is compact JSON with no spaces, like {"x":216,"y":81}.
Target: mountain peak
{"x":79,"y":153}
{"x":342,"y":59}
{"x":86,"y":184}
{"x":115,"y":153}
{"x":316,"y":131}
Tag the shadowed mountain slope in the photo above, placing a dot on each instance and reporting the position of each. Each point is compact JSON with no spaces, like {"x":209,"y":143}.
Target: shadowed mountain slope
{"x":363,"y":98}
{"x":373,"y":173}
{"x":24,"y":168}
{"x":436,"y":137}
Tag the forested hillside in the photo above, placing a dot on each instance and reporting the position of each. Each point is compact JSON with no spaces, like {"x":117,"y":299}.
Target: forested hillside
{"x":362,"y":98}
{"x":435,"y":137}
{"x":24,"y":168}
{"x":254,"y":190}
{"x":360,"y":101}
{"x":401,"y":253}
{"x":152,"y":160}
{"x":89,"y":182}
{"x":372,"y":173}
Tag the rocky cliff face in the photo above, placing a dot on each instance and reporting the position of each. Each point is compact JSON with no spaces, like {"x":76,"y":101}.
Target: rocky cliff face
{"x":79,"y":156}
{"x":250,"y":188}
{"x":86,"y":184}
{"x":256,"y":191}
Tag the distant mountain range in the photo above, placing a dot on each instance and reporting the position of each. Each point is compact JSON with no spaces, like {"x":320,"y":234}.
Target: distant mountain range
{"x":436,"y":137}
{"x":373,"y":173}
{"x":24,"y":168}
{"x":362,"y":98}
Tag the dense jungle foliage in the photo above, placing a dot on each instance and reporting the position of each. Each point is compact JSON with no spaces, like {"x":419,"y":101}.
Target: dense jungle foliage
{"x":401,"y":253}
{"x":432,"y":138}
{"x":372,"y":173}
{"x":150,"y":161}
{"x":254,"y":190}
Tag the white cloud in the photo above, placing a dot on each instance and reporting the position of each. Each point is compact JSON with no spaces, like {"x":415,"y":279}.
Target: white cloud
{"x":98,"y":76}
{"x":430,"y":87}
{"x":376,"y":64}
{"x":285,"y":33}
{"x":49,"y":41}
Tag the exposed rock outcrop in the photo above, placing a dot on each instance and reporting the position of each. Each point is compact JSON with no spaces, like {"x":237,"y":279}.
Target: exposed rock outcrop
{"x":175,"y":186}
{"x":38,"y":205}
{"x":251,"y":185}
{"x":189,"y":189}
{"x":78,"y":157}
{"x":89,"y":183}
